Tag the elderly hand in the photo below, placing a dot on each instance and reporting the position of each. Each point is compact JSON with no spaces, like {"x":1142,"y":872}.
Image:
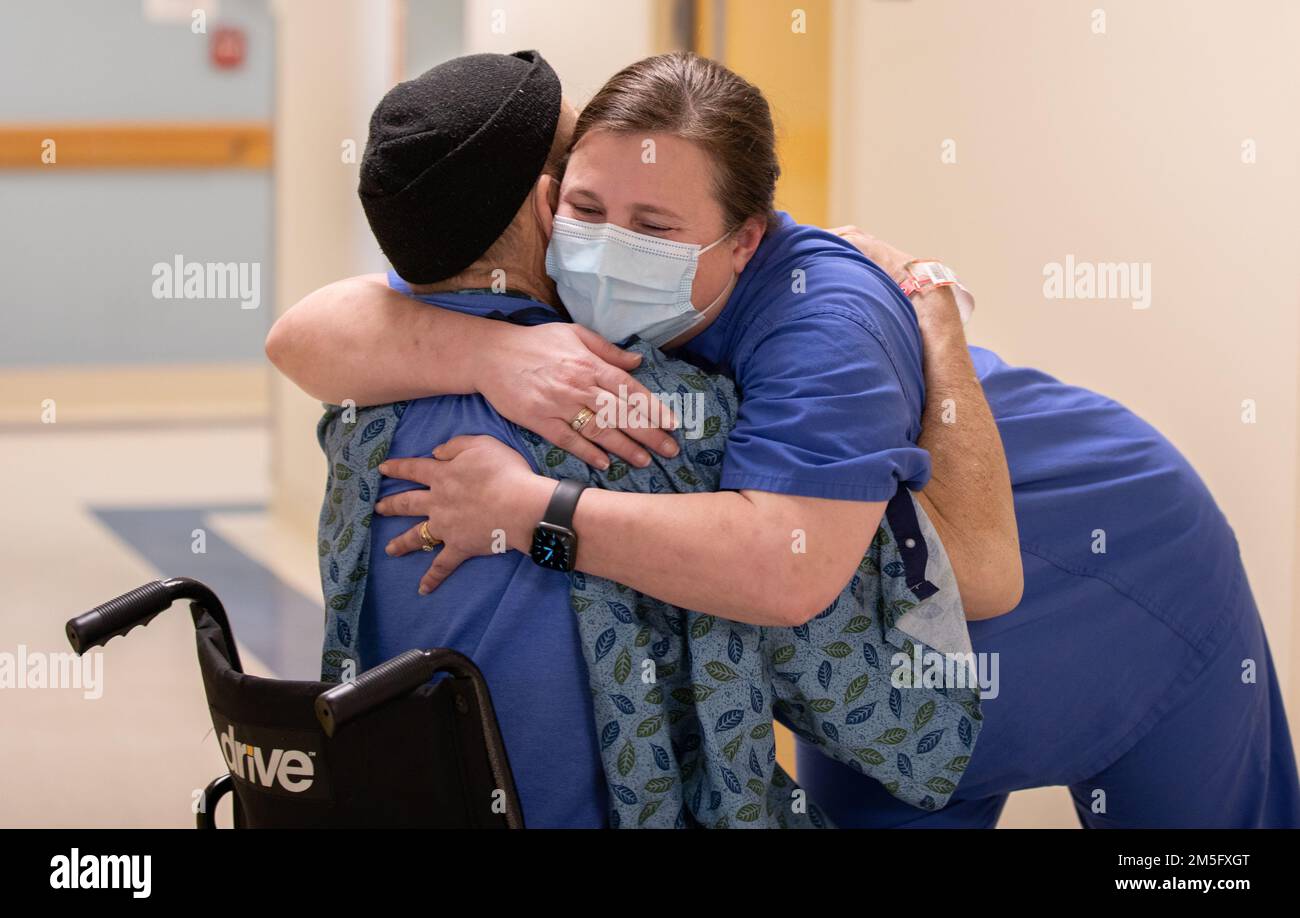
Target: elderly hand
{"x":479,"y":493}
{"x":543,"y":377}
{"x":879,"y":251}
{"x":941,"y":306}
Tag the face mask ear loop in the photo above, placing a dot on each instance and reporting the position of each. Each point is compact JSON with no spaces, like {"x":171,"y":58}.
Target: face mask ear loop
{"x":717,"y":241}
{"x":730,"y":284}
{"x":702,"y":315}
{"x":726,"y":291}
{"x":686,"y":282}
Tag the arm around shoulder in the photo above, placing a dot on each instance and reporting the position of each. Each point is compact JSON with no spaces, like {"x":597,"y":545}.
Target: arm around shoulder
{"x":358,"y":339}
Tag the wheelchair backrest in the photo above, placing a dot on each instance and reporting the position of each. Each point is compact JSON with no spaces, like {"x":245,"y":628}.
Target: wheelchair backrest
{"x":427,"y":759}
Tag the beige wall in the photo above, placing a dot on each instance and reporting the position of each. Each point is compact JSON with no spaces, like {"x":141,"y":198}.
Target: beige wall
{"x":1122,"y":146}
{"x":586,"y":41}
{"x":334,"y":60}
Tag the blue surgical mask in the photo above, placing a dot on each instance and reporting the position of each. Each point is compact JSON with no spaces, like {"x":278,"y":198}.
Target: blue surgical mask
{"x":619,"y":283}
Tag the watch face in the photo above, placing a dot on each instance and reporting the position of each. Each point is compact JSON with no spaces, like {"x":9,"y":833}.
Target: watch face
{"x":554,"y":547}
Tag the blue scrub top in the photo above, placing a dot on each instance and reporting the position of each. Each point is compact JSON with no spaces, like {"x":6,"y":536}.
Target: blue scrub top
{"x":511,"y":617}
{"x":1133,"y":580}
{"x":831,"y":380}
{"x":1086,"y":469}
{"x":826,"y":352}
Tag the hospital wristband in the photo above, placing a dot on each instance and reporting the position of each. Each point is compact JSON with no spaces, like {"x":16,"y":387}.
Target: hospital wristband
{"x":923,"y":274}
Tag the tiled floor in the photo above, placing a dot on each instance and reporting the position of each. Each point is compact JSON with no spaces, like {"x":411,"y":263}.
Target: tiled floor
{"x":92,"y":513}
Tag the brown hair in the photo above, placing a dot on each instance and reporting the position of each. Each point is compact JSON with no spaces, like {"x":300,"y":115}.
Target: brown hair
{"x":699,"y":100}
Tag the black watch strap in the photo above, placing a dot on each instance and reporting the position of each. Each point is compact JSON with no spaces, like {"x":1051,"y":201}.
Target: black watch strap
{"x":559,"y":512}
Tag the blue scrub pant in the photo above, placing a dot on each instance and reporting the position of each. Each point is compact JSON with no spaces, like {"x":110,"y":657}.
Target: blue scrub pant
{"x":1147,"y":720}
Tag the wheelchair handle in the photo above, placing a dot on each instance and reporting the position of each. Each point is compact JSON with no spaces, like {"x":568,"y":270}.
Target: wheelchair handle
{"x":391,"y":679}
{"x":406,"y":672}
{"x":141,"y":606}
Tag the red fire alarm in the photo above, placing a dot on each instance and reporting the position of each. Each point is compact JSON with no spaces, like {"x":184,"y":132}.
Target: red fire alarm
{"x":228,"y":47}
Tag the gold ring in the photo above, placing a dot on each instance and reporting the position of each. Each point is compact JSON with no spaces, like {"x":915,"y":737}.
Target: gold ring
{"x":430,"y":543}
{"x":581,"y":419}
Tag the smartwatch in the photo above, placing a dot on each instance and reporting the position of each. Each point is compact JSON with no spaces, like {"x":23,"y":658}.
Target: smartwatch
{"x":555,"y":544}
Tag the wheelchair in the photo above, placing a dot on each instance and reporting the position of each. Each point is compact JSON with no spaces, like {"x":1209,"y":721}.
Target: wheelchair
{"x":387,"y":750}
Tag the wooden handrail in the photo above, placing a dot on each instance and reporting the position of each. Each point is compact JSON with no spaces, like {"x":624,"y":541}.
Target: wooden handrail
{"x":136,"y":145}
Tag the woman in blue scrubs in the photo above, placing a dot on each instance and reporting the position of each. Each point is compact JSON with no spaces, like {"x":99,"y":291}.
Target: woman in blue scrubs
{"x":1139,"y":679}
{"x":1135,"y":671}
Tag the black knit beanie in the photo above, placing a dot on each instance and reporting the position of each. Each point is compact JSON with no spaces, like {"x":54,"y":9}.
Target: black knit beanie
{"x":452,"y":155}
